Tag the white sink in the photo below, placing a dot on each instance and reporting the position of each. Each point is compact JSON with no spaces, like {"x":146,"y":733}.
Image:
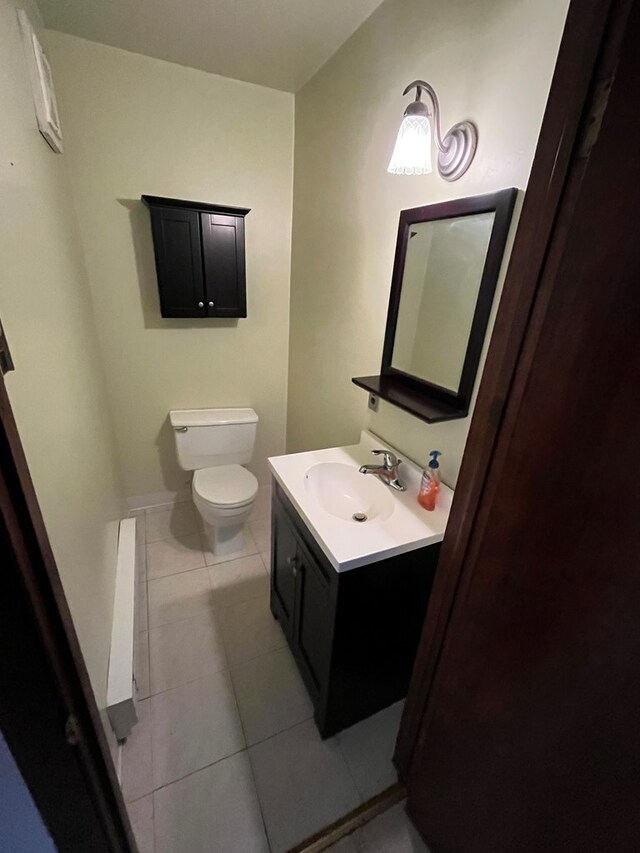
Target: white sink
{"x":345,"y":493}
{"x":326,"y":489}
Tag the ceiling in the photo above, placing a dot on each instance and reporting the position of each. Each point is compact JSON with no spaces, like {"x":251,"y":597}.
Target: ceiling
{"x":276,"y":43}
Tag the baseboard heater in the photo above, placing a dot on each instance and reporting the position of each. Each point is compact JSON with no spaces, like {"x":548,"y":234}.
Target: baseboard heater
{"x":121,"y":706}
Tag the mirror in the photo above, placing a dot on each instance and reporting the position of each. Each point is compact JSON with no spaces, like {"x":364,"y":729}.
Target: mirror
{"x":440,"y":284}
{"x":446,"y":267}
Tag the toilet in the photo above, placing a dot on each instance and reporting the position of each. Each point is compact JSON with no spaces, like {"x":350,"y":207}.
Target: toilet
{"x":215,"y":444}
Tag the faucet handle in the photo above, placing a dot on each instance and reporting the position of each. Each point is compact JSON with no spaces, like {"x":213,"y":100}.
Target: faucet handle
{"x":390,"y":459}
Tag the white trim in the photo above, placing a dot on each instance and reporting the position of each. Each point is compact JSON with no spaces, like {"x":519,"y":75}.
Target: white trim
{"x":157,"y":498}
{"x":120,"y":685}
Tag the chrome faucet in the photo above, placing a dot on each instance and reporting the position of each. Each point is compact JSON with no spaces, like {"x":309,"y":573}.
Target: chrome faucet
{"x":388,"y":471}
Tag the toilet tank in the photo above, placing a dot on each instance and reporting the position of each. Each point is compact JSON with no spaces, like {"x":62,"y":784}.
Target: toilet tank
{"x":211,"y":437}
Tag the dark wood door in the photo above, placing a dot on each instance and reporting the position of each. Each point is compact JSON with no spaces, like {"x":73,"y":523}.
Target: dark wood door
{"x":530,"y":740}
{"x":223,"y":256}
{"x":314,"y":622}
{"x":176,"y":240}
{"x":48,"y":715}
{"x":284,"y":551}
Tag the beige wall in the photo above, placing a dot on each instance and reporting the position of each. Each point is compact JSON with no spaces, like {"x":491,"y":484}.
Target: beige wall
{"x":490,"y":62}
{"x":137,"y":125}
{"x":57,"y":391}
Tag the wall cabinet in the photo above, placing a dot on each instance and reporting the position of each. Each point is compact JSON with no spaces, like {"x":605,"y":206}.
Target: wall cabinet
{"x":353,"y":634}
{"x":199,"y":253}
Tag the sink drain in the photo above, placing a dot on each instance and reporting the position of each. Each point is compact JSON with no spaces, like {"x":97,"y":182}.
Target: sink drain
{"x":359,"y":516}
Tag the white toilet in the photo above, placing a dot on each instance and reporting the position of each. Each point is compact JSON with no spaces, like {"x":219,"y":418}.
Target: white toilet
{"x":215,"y":444}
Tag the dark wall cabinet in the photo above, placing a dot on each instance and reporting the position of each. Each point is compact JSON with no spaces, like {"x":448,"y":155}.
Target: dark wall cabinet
{"x":353,"y":634}
{"x":199,"y":252}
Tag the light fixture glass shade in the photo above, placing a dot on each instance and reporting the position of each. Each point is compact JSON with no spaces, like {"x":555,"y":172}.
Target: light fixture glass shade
{"x":412,"y":152}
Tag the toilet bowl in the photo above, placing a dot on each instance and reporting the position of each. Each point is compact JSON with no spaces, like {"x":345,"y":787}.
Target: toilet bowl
{"x":216,"y":444}
{"x":224,"y":496}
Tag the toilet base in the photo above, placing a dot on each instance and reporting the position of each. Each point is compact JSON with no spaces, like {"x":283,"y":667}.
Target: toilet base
{"x":225,"y":540}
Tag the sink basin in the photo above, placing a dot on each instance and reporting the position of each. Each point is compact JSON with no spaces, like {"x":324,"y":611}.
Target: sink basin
{"x":345,"y":493}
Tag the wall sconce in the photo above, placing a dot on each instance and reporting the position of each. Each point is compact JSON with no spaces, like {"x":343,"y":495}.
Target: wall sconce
{"x":412,"y":152}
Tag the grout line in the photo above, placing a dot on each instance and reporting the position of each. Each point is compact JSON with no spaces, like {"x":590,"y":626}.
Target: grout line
{"x":186,"y":683}
{"x":257,"y":793}
{"x":153,"y":819}
{"x":247,"y":744}
{"x":197,"y":770}
{"x":245,"y":748}
{"x":244,"y":735}
{"x":276,"y":734}
{"x":215,"y":608}
{"x":237,"y":666}
{"x":242,"y":556}
{"x":229,"y":667}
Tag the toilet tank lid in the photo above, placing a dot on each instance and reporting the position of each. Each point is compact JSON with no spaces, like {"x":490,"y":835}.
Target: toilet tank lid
{"x":211,"y":417}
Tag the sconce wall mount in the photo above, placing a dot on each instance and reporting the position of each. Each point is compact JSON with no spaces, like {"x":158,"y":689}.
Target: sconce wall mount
{"x":412,"y":153}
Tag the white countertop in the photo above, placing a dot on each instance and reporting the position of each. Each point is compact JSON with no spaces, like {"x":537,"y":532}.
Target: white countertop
{"x":349,"y":544}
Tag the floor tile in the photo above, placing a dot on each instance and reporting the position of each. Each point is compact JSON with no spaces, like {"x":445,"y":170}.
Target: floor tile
{"x":303,"y":784}
{"x":183,"y":651}
{"x":137,"y":773}
{"x":141,"y":817}
{"x":141,"y":562}
{"x":212,"y":811}
{"x":177,"y":597}
{"x":249,"y":630}
{"x":368,"y":749}
{"x":141,"y":665}
{"x":170,"y":556}
{"x":238,"y":580}
{"x":248,"y":550}
{"x":390,"y":832}
{"x":179,"y":520}
{"x":193,"y":726}
{"x":142,"y":622}
{"x":345,"y":845}
{"x":271,"y":695}
{"x":261,"y":531}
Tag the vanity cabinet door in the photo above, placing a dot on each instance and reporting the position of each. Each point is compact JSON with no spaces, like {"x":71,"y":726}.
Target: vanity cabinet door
{"x":284,"y":552}
{"x":314,"y":623}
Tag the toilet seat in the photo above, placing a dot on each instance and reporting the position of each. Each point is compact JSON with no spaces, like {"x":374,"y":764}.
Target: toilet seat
{"x":225,"y":486}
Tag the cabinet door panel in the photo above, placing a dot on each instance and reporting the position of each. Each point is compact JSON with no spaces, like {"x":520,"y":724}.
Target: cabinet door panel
{"x":224,"y":273}
{"x":314,"y":626}
{"x":176,"y":238}
{"x":283,"y":569}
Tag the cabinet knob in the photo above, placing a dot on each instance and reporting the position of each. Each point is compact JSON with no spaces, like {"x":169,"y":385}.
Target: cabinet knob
{"x":200,"y":304}
{"x":211,"y":305}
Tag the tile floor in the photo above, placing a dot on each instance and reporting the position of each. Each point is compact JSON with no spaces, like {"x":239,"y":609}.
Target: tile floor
{"x":226,"y":756}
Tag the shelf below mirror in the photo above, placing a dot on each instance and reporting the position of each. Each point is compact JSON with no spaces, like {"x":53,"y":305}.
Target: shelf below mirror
{"x":404,"y":394}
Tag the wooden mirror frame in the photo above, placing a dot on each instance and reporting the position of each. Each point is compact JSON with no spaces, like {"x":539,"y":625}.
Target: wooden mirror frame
{"x":426,"y":400}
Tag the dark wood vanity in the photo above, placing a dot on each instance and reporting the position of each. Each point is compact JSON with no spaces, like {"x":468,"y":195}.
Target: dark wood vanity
{"x":353,"y":634}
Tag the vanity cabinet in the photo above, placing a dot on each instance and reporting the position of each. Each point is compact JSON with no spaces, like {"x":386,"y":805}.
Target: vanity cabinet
{"x":199,"y":254}
{"x":353,"y":634}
